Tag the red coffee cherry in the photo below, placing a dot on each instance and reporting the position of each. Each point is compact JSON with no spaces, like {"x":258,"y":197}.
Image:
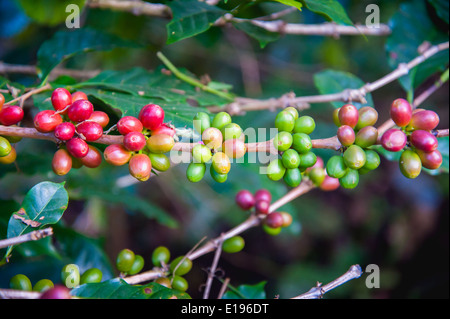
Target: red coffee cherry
{"x":10,"y":115}
{"x":234,"y":148}
{"x":245,"y":199}
{"x":100,"y":117}
{"x":64,"y":131}
{"x":263,"y":194}
{"x":46,"y":121}
{"x":134,"y":141}
{"x":93,"y":158}
{"x":61,"y":98}
{"x":77,"y":147}
{"x":393,"y":140}
{"x":2,"y":100}
{"x":346,"y":135}
{"x":401,"y":112}
{"x":79,"y":96}
{"x":424,"y":140}
{"x":348,"y":115}
{"x":90,"y":131}
{"x":58,"y":292}
{"x":140,"y":167}
{"x":274,"y":220}
{"x":164,"y":129}
{"x":151,"y":116}
{"x":129,"y":124}
{"x":430,"y":160}
{"x":424,"y":120}
{"x":116,"y":154}
{"x":80,"y":110}
{"x":262,"y":207}
{"x":61,"y":162}
{"x":329,"y":184}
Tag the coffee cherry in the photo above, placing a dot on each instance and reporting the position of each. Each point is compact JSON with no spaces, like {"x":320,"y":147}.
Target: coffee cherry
{"x":195,"y":172}
{"x":282,"y":141}
{"x":234,"y":148}
{"x":348,"y":115}
{"x":350,"y":180}
{"x":219,"y":178}
{"x":401,"y":112}
{"x":160,"y":162}
{"x":151,"y":116}
{"x":129,"y":124}
{"x":179,"y":283}
{"x":160,"y":143}
{"x":46,"y":121}
{"x":285,"y":122}
{"x":372,"y":160}
{"x":5,"y":147}
{"x":11,"y":115}
{"x":346,"y":135}
{"x":134,"y":141}
{"x":393,"y":140}
{"x":61,"y":98}
{"x":77,"y":147}
{"x":164,"y":129}
{"x":164,"y":281}
{"x":231,"y":131}
{"x":201,"y":154}
{"x":160,"y":256}
{"x":424,"y":120}
{"x":221,"y":163}
{"x":116,"y":154}
{"x":287,"y":219}
{"x":2,"y":100}
{"x":137,"y":266}
{"x":100,"y":117}
{"x":43,"y":285}
{"x":292,"y":177}
{"x":304,"y":124}
{"x":317,"y":175}
{"x":64,"y":131}
{"x":80,"y":110}
{"x":70,"y":275}
{"x":58,"y":292}
{"x":308,"y":160}
{"x":212,"y":137}
{"x":201,"y":122}
{"x":233,"y":244}
{"x":301,"y":142}
{"x":271,"y":231}
{"x":336,"y":117}
{"x":20,"y":282}
{"x":354,"y":157}
{"x":61,"y":162}
{"x":91,"y":275}
{"x":92,"y":159}
{"x":424,"y":140}
{"x":430,"y":160}
{"x":366,"y":136}
{"x":262,"y":207}
{"x":329,"y":184}
{"x":367,"y":116}
{"x":78,"y":95}
{"x":76,"y":162}
{"x":410,"y":164}
{"x":125,"y":260}
{"x":10,"y":158}
{"x":140,"y":167}
{"x":263,"y":194}
{"x":13,"y":139}
{"x":276,"y":170}
{"x":336,"y":167}
{"x":89,"y":131}
{"x":293,"y":111}
{"x":180,"y":266}
{"x":220,"y":120}
{"x":244,"y":199}
{"x":290,"y":159}
{"x":274,"y":220}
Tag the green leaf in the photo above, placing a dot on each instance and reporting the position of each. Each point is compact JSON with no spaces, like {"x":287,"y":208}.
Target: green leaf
{"x":65,"y":44}
{"x":49,"y":12}
{"x":247,"y":292}
{"x":331,"y":81}
{"x":442,"y":8}
{"x":291,"y":3}
{"x":118,"y":289}
{"x":263,"y":36}
{"x":330,"y":9}
{"x":190,"y":17}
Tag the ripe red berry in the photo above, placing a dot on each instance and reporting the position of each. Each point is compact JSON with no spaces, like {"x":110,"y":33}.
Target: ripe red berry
{"x":129,"y":124}
{"x":116,"y":154}
{"x":134,"y":141}
{"x":164,"y":129}
{"x":47,"y":121}
{"x":100,"y":117}
{"x":348,"y":115}
{"x":262,"y":207}
{"x":10,"y":115}
{"x":245,"y":199}
{"x":151,"y":116}
{"x":393,"y":140}
{"x":57,"y":292}
{"x":80,"y":110}
{"x":64,"y":131}
{"x":274,"y":220}
{"x":401,"y":112}
{"x":77,"y":147}
{"x":61,"y":162}
{"x":79,"y":96}
{"x":93,"y":158}
{"x":424,"y":140}
{"x":329,"y":184}
{"x":346,"y":135}
{"x":424,"y":120}
{"x":90,"y":131}
{"x":263,"y":194}
{"x":430,"y":160}
{"x":140,"y":167}
{"x":61,"y":98}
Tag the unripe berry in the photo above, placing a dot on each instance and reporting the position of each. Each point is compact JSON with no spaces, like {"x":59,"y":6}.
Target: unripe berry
{"x":292,"y":177}
{"x":160,"y":162}
{"x":140,"y":167}
{"x":336,"y":117}
{"x":5,"y":147}
{"x":80,"y":110}
{"x":276,"y":170}
{"x":160,"y":256}
{"x":424,"y":140}
{"x":221,"y":163}
{"x":317,"y":175}
{"x":329,"y":184}
{"x":125,"y":260}
{"x":310,"y":160}
{"x":46,"y":121}
{"x":274,"y":220}
{"x":424,"y":120}
{"x":134,"y":141}
{"x":89,"y":131}
{"x":354,"y":157}
{"x":195,"y":172}
{"x":350,"y":180}
{"x":233,"y":245}
{"x":283,"y":141}
{"x":368,"y":116}
{"x":220,"y":120}
{"x":212,"y":137}
{"x":231,"y":131}
{"x":304,"y":124}
{"x":20,"y":282}
{"x":291,"y":159}
{"x":372,"y":160}
{"x":91,"y":275}
{"x":201,"y":154}
{"x":410,"y":164}
{"x":244,"y":199}
{"x":219,"y":178}
{"x":201,"y":122}
{"x":287,"y":219}
{"x":129,"y":124}
{"x":43,"y":285}
{"x":77,"y":147}
{"x":179,"y":283}
{"x":234,"y":148}
{"x":10,"y":115}
{"x":151,"y":116}
{"x":160,"y":143}
{"x":346,"y":135}
{"x":78,"y":95}
{"x":366,"y":136}
{"x":137,"y":265}
{"x":2,"y":100}
{"x":70,"y":275}
{"x":10,"y":157}
{"x":180,"y":266}
{"x":61,"y":162}
{"x":301,"y":142}
{"x":393,"y":140}
{"x":100,"y":117}
{"x":293,"y":111}
{"x":285,"y":122}
{"x":348,"y":115}
{"x":61,"y":98}
{"x":116,"y":154}
{"x":336,"y":167}
{"x":401,"y":112}
{"x":64,"y":131}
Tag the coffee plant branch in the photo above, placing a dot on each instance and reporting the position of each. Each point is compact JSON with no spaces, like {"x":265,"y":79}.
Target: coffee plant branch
{"x":31,"y":236}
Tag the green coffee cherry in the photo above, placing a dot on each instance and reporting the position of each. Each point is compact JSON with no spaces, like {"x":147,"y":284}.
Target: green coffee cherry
{"x":282,"y":141}
{"x":220,"y":120}
{"x":355,"y":157}
{"x":91,"y":275}
{"x":366,"y":136}
{"x":5,"y":146}
{"x":221,"y":163}
{"x":201,"y":153}
{"x":160,"y":162}
{"x":160,"y":255}
{"x":179,"y":267}
{"x":317,"y":175}
{"x":291,"y":159}
{"x":336,"y":167}
{"x":350,"y":180}
{"x":179,"y":283}
{"x":410,"y":164}
{"x":43,"y":285}
{"x":304,"y":124}
{"x":70,"y":275}
{"x":137,"y":265}
{"x":271,"y":231}
{"x":301,"y":142}
{"x":219,"y":178}
{"x":368,"y":116}
{"x":292,"y":177}
{"x":195,"y":172}
{"x":233,"y":244}
{"x":372,"y":160}
{"x":125,"y":260}
{"x":307,"y":160}
{"x":276,"y":170}
{"x":231,"y":131}
{"x":20,"y":282}
{"x":201,"y":122}
{"x":284,"y":121}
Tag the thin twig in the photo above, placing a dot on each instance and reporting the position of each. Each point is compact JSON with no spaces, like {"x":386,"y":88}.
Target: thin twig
{"x":32,"y":236}
{"x":223,"y":288}
{"x":30,"y":93}
{"x":18,"y":294}
{"x":212,"y":270}
{"x":136,"y":7}
{"x":442,"y":133}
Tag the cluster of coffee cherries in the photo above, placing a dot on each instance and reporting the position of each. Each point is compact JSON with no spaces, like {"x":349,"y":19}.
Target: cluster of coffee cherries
{"x":357,"y":133}
{"x":414,"y":137}
{"x":222,"y":140}
{"x":145,"y":140}
{"x":294,"y":146}
{"x":9,"y":115}
{"x":259,"y":204}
